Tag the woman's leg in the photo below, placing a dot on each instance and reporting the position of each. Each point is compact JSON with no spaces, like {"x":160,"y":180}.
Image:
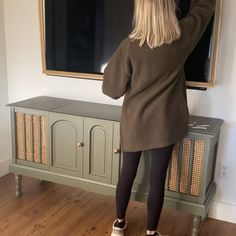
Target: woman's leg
{"x":160,"y":158}
{"x":124,"y":186}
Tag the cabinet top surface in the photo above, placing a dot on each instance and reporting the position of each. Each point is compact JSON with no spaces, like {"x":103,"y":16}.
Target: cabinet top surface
{"x":72,"y":107}
{"x":197,"y":124}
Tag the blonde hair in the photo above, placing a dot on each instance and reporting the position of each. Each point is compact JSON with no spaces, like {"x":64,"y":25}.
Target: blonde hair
{"x":155,"y":22}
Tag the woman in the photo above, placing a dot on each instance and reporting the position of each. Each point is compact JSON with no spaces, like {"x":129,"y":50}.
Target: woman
{"x":148,"y":67}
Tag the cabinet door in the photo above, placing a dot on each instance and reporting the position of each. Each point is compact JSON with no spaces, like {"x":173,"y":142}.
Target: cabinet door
{"x":30,"y":137}
{"x":66,"y":138}
{"x":116,"y":156}
{"x":98,"y":149}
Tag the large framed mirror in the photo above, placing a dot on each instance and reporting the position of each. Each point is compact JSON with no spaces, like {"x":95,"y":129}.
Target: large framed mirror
{"x":79,"y":36}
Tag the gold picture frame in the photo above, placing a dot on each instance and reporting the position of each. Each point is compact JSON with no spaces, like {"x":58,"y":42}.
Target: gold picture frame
{"x":213,"y":61}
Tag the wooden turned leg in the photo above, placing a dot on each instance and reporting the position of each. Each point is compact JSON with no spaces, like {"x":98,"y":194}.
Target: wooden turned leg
{"x":18,"y":179}
{"x":196,"y":223}
{"x":202,"y":221}
{"x":204,"y":218}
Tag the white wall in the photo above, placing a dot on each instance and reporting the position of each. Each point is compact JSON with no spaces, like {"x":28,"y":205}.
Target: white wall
{"x":25,"y":80}
{"x":5,"y":151}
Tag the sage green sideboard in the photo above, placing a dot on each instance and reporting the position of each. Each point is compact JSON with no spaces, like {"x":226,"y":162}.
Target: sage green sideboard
{"x":77,"y":143}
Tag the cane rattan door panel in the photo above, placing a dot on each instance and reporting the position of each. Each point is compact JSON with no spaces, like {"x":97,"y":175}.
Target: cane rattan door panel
{"x":31,"y":135}
{"x":186,"y":166}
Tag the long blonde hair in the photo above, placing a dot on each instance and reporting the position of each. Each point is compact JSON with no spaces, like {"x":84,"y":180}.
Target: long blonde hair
{"x":155,"y":22}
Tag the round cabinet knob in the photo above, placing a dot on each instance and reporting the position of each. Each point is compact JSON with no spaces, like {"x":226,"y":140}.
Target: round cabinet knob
{"x":116,"y":150}
{"x":80,"y":144}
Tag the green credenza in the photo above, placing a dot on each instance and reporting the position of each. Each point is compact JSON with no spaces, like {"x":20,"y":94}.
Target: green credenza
{"x":77,"y":143}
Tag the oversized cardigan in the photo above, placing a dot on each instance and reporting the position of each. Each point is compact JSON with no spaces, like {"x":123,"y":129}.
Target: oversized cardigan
{"x":155,"y":111}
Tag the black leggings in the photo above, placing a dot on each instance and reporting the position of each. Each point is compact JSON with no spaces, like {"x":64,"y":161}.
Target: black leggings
{"x":160,"y":158}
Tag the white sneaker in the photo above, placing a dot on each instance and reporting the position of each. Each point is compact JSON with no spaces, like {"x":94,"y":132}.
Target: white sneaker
{"x":162,"y":234}
{"x":157,"y":233}
{"x":119,"y":227}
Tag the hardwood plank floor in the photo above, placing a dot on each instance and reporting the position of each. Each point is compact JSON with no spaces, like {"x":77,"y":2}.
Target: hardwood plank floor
{"x":57,"y":210}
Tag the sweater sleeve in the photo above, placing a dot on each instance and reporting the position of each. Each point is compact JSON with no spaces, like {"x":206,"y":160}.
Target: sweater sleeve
{"x":195,"y":23}
{"x":116,"y":77}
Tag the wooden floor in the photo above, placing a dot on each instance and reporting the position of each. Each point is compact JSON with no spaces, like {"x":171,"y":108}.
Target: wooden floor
{"x":53,"y":209}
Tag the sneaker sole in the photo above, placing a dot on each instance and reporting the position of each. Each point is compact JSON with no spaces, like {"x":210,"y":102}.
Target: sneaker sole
{"x":117,"y":231}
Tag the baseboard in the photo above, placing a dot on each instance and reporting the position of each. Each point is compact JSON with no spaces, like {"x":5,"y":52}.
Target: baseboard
{"x":4,"y":163}
{"x":223,"y":211}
